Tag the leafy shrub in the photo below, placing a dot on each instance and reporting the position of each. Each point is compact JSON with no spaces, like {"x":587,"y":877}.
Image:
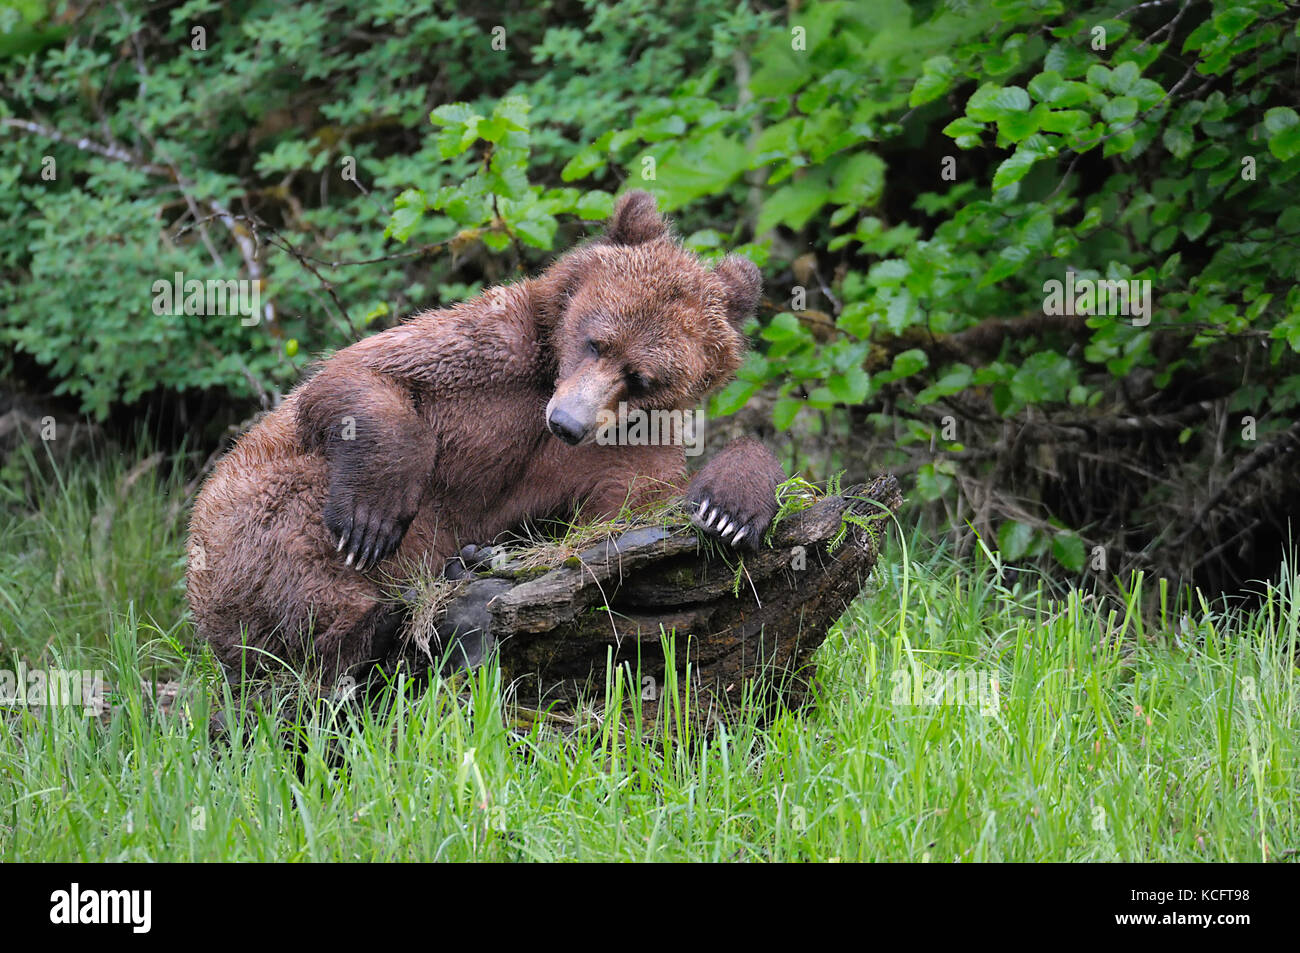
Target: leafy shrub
{"x":927,"y":174}
{"x":915,"y":180}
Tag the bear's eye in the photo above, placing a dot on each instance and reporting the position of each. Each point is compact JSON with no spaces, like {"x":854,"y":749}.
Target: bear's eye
{"x":593,"y":349}
{"x":638,"y":383}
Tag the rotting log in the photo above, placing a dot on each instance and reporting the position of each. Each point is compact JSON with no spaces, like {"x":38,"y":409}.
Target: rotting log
{"x":555,"y":633}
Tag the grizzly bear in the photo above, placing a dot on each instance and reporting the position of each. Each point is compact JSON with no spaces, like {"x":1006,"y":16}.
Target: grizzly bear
{"x":463,"y":423}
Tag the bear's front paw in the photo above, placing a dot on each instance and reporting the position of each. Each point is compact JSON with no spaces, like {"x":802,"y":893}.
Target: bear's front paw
{"x":734,"y":497}
{"x":366,"y":531}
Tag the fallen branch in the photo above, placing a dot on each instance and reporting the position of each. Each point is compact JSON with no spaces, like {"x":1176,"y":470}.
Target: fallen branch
{"x":624,"y":600}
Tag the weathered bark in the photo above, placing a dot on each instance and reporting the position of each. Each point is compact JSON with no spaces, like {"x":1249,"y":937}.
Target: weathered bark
{"x":555,"y":633}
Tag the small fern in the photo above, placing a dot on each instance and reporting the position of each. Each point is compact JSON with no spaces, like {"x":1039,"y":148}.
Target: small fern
{"x":797,"y":494}
{"x":868,"y":523}
{"x":793,"y":496}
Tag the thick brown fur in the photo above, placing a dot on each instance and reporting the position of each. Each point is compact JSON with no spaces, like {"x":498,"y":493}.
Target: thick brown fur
{"x":442,"y":432}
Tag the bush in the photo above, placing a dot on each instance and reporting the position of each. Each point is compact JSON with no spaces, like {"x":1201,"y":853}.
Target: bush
{"x":924,"y":184}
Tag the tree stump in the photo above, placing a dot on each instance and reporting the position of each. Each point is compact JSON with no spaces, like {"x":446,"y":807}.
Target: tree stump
{"x":664,"y":604}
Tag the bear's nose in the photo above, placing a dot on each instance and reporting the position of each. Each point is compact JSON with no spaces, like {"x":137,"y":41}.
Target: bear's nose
{"x":564,"y":426}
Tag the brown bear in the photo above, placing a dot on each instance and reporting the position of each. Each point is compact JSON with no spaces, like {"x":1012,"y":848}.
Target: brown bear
{"x":460,"y":424}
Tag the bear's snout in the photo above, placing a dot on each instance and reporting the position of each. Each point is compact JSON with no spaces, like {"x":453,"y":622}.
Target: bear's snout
{"x":564,"y":426}
{"x":574,"y":411}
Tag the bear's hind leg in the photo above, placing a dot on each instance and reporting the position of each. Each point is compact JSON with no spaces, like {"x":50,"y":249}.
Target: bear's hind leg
{"x":357,"y":639}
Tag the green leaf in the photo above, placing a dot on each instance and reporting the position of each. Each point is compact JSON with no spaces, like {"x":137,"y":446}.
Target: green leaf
{"x":850,"y":387}
{"x":1164,"y":239}
{"x":1014,"y":168}
{"x":1285,"y":144}
{"x":703,"y":240}
{"x":595,"y":205}
{"x":496,"y":239}
{"x":491,"y":130}
{"x":784,"y":326}
{"x":858,"y":180}
{"x":1124,"y":77}
{"x":1045,"y":376}
{"x":991,"y":102}
{"x":1195,"y":224}
{"x":1068,"y":550}
{"x":453,"y":114}
{"x":1018,"y":126}
{"x":1120,"y":110}
{"x":1067,"y":58}
{"x":409,"y":209}
{"x":1064,"y":121}
{"x":901,"y":312}
{"x":909,"y":362}
{"x":540,"y":233}
{"x":664,"y":127}
{"x":510,"y":182}
{"x":1280,"y":118}
{"x":784,"y":411}
{"x":732,"y":397}
{"x":513,"y":111}
{"x":1234,"y":20}
{"x":1049,"y":88}
{"x":957,"y":379}
{"x":965,"y":131}
{"x":1119,"y":143}
{"x":794,"y":204}
{"x":1014,"y":539}
{"x":1178,"y":140}
{"x":937,"y":74}
{"x":932,"y":483}
{"x":856,"y":319}
{"x":700,"y":167}
{"x":585,"y":162}
{"x":1009,"y":261}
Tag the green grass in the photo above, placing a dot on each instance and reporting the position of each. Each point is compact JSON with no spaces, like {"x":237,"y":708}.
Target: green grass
{"x":80,"y":546}
{"x":1122,"y":731}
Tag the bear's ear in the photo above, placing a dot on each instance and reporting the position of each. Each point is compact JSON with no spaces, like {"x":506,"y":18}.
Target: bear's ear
{"x":635,"y":220}
{"x":744,"y":287}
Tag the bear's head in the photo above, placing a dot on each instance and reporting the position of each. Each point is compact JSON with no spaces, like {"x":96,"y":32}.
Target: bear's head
{"x":639,"y":320}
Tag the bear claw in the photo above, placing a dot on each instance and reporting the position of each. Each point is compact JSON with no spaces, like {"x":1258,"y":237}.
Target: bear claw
{"x":729,"y":529}
{"x":736,"y":494}
{"x":712,"y":518}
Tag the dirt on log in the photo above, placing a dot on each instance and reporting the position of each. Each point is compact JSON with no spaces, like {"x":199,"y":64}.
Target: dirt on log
{"x":663,"y":605}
